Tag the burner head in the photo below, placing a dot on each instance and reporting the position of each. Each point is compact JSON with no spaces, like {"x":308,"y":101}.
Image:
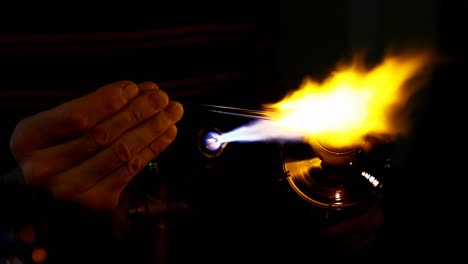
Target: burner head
{"x":213,"y":141}
{"x":209,"y":143}
{"x":334,"y":178}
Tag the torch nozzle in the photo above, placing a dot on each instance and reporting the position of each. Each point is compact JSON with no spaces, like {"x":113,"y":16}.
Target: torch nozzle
{"x":213,"y":141}
{"x":236,"y":111}
{"x":210,"y":142}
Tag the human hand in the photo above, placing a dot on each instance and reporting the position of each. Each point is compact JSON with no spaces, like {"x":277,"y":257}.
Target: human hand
{"x":86,"y":150}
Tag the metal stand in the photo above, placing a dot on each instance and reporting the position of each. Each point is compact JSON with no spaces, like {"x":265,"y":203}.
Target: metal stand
{"x":160,"y":209}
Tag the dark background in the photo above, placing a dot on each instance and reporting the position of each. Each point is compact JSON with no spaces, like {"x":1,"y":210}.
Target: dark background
{"x":196,"y":51}
{"x":243,"y":53}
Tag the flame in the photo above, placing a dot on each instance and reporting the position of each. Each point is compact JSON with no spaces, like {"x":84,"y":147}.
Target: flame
{"x":353,"y":101}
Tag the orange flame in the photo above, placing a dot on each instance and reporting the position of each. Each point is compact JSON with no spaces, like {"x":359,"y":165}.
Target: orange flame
{"x":354,"y":102}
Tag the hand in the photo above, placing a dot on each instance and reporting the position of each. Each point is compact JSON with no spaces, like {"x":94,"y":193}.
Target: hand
{"x":88,"y":149}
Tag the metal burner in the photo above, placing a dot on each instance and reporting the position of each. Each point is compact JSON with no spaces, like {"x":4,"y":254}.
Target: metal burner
{"x":333,"y":179}
{"x":208,"y":143}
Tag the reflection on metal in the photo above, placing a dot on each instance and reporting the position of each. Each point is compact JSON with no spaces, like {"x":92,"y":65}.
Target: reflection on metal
{"x":335,"y":185}
{"x":371,"y":178}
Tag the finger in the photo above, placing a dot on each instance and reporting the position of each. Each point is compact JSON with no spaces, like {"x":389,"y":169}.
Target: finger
{"x":71,"y":118}
{"x":73,"y":152}
{"x":145,"y":86}
{"x":118,"y":154}
{"x":105,"y":194}
{"x":139,"y":110}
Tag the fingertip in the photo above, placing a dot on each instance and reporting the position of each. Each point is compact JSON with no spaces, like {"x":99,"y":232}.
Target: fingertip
{"x":126,"y":88}
{"x":145,"y":86}
{"x":175,"y":110}
{"x":172,"y":131}
{"x":129,"y":90}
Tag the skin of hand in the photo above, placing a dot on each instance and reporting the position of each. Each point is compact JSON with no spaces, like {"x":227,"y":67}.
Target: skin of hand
{"x":87,"y":150}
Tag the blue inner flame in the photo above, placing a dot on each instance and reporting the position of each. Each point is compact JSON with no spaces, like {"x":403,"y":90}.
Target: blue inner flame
{"x":258,"y":130}
{"x":213,"y":141}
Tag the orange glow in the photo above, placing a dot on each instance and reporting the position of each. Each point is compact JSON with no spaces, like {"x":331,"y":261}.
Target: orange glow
{"x":39,"y":255}
{"x":353,"y":101}
{"x":27,"y":234}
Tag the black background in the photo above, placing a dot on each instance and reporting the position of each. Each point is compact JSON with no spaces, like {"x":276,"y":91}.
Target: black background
{"x":272,"y":47}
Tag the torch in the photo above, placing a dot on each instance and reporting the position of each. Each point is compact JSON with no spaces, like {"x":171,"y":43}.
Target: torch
{"x":336,"y":135}
{"x":335,"y":139}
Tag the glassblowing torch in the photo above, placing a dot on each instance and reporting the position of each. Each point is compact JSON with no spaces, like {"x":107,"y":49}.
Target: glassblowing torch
{"x":211,"y":141}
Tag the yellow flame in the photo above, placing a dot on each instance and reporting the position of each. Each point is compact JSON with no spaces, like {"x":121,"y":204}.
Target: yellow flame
{"x":353,"y":102}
